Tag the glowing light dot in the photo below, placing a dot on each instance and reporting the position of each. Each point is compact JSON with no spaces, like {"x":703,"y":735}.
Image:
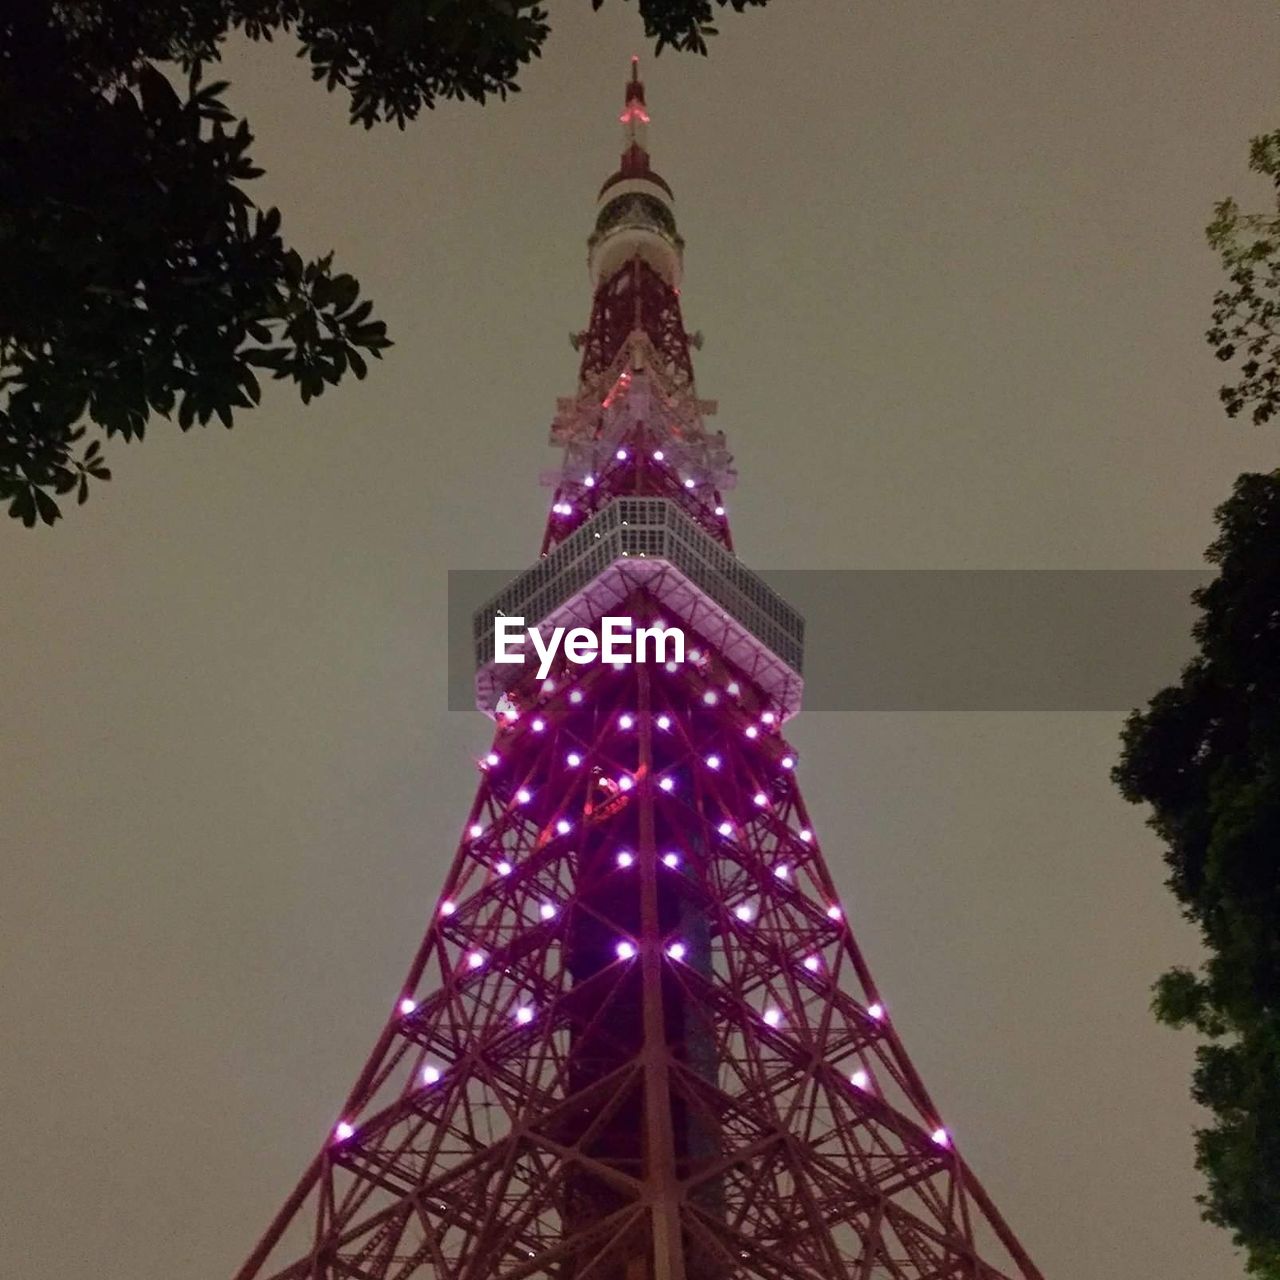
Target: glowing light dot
{"x":711,"y":697}
{"x":475,"y":960}
{"x":589,"y":481}
{"x":548,"y":685}
{"x":620,"y":665}
{"x":875,"y":1011}
{"x":573,"y":759}
{"x":833,"y":912}
{"x":713,"y":762}
{"x":667,"y":784}
{"x":343,"y":1131}
{"x":743,"y":912}
{"x":768,"y":717}
{"x":941,"y":1137}
{"x":476,"y":831}
{"x":539,"y":725}
{"x":806,"y":835}
{"x":492,"y":758}
{"x":772,"y":1017}
{"x":658,"y":455}
{"x":524,"y":1015}
{"x":812,"y":963}
{"x":725,"y":829}
{"x":690,"y":482}
{"x":503,"y":868}
{"x":625,"y":859}
{"x":564,"y":826}
{"x":576,"y":697}
{"x":677,"y":951}
{"x":448,"y":907}
{"x":733,"y":688}
{"x":695,"y":655}
{"x":430,"y":1075}
{"x":788,"y":762}
{"x":523,"y":796}
{"x":664,"y":723}
{"x":760,"y":799}
{"x":751,"y":731}
{"x":547,"y":911}
{"x":782,"y":871}
{"x":671,"y":860}
{"x":859,"y":1079}
{"x":626,"y":950}
{"x":407,"y":1006}
{"x":719,"y":511}
{"x":626,"y":721}
{"x":621,"y":455}
{"x":626,"y":782}
{"x":673,"y":667}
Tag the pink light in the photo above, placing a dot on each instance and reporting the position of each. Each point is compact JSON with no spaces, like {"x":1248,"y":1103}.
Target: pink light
{"x":564,"y":826}
{"x":772,"y":1017}
{"x":664,"y":723}
{"x":430,"y":1075}
{"x":475,"y":960}
{"x":941,"y":1137}
{"x":671,"y":860}
{"x":475,"y":831}
{"x":573,"y":759}
{"x":524,"y":1015}
{"x":538,"y":725}
{"x":576,"y":697}
{"x":673,"y":667}
{"x":760,"y":799}
{"x":626,"y":782}
{"x":626,"y":950}
{"x":711,"y":697}
{"x":407,"y":1006}
{"x":859,"y":1079}
{"x":634,"y":111}
{"x":743,"y":912}
{"x":690,"y":482}
{"x":667,"y":784}
{"x":751,"y":731}
{"x":548,"y":685}
{"x":833,"y":912}
{"x":713,"y":762}
{"x":788,"y":762}
{"x":343,"y":1131}
{"x":677,"y":951}
{"x":658,"y":455}
{"x":589,"y":481}
{"x":719,"y":511}
{"x":768,"y":717}
{"x":620,"y":665}
{"x":875,"y":1011}
{"x":806,"y":835}
{"x":448,"y":907}
{"x":695,"y":655}
{"x":733,"y":688}
{"x":782,"y":871}
{"x":523,"y":796}
{"x":492,"y":759}
{"x":547,"y":911}
{"x":626,"y":721}
{"x":725,"y":829}
{"x":621,"y":455}
{"x":503,"y":868}
{"x":625,"y":859}
{"x":812,"y":963}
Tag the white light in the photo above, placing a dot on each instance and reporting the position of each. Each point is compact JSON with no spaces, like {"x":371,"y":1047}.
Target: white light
{"x":503,"y":868}
{"x":812,"y":963}
{"x":539,"y":725}
{"x":589,"y":481}
{"x":695,"y":655}
{"x":711,"y":697}
{"x":407,"y":1006}
{"x":448,"y":907}
{"x":782,"y":871}
{"x":671,"y":860}
{"x":667,"y":784}
{"x":524,"y":1015}
{"x":547,"y":911}
{"x":625,"y":859}
{"x":548,"y":685}
{"x":788,"y":762}
{"x":621,"y":455}
{"x":725,"y":829}
{"x":626,"y":950}
{"x":576,"y":697}
{"x":475,"y":960}
{"x":492,"y":759}
{"x":664,"y":722}
{"x":751,"y":731}
{"x":564,"y":826}
{"x":760,"y":799}
{"x":690,"y":482}
{"x":625,"y":721}
{"x":626,"y":782}
{"x":524,"y":795}
{"x":875,"y":1011}
{"x":719,"y":511}
{"x":733,"y":688}
{"x":343,"y":1131}
{"x":772,"y":1017}
{"x":806,"y":835}
{"x":833,"y":912}
{"x":573,"y":759}
{"x":658,"y":455}
{"x":941,"y":1137}
{"x":713,"y":762}
{"x":859,"y":1079}
{"x":620,"y":665}
{"x":768,"y":717}
{"x":676,"y":951}
{"x":476,"y":831}
{"x":673,"y":667}
{"x":430,"y":1075}
{"x":743,"y":912}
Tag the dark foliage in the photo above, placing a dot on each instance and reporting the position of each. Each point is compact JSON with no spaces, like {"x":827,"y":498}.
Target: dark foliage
{"x":136,"y":276}
{"x":1205,"y":754}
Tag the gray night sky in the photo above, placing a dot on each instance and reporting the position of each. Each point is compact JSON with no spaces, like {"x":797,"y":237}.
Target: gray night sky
{"x":949,"y":261}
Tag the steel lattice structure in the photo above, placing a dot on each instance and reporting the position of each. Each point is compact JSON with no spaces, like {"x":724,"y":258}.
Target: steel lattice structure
{"x":639,"y":1041}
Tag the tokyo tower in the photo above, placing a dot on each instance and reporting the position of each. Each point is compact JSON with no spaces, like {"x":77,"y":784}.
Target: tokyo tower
{"x":638,"y":1040}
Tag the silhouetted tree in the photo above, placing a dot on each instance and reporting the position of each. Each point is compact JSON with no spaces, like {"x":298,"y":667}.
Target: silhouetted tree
{"x":136,"y":276}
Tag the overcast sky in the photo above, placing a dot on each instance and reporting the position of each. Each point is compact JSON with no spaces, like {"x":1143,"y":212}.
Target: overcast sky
{"x":949,"y":262}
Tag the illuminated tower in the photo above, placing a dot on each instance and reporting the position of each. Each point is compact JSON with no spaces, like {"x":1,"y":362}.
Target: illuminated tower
{"x":639,"y":1041}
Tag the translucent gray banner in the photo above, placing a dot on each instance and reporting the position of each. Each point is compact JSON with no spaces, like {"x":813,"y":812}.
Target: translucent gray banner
{"x":950,"y":640}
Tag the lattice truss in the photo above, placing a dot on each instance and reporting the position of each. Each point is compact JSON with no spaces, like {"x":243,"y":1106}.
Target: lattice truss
{"x":639,"y":1038}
